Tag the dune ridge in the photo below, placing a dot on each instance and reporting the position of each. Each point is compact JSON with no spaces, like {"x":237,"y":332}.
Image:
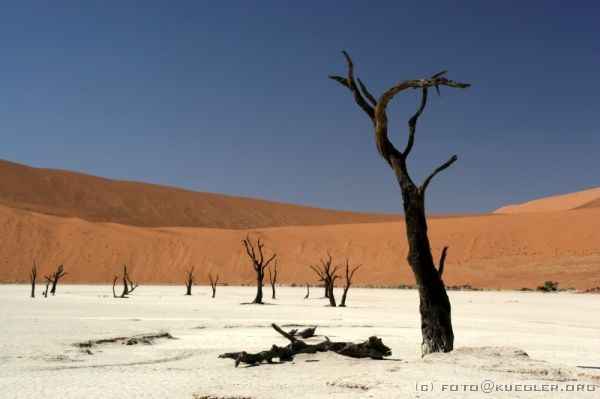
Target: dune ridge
{"x":577,"y":200}
{"x":70,"y":194}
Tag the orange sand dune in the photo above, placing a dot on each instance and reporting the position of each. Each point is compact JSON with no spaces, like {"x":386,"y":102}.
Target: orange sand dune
{"x":492,"y":251}
{"x":70,"y":194}
{"x":580,"y":199}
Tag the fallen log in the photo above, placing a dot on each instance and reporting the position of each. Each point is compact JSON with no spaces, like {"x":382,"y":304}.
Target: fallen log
{"x":372,"y":348}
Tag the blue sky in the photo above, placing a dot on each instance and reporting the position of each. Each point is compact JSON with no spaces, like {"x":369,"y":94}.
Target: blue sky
{"x":233,"y":96}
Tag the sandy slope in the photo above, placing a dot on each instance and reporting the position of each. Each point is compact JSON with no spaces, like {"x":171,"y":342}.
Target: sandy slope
{"x":71,"y":194}
{"x":580,"y":199}
{"x":494,"y":251}
{"x":38,"y":358}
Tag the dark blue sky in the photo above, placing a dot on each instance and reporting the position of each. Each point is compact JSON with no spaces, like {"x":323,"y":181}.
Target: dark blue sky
{"x":233,"y":96}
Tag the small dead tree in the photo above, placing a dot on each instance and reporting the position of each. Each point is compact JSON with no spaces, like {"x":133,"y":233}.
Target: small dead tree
{"x":53,"y":278}
{"x":307,"y":291}
{"x":190,"y":281}
{"x":45,"y":293}
{"x":255,"y":252}
{"x":327,"y":274}
{"x":213,"y":283}
{"x":128,"y":285}
{"x":349,"y":276}
{"x":273,"y":278}
{"x":436,"y":324}
{"x":32,"y":277}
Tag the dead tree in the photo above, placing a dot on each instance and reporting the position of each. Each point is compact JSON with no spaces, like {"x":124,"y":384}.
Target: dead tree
{"x":349,"y":276}
{"x":128,"y":285}
{"x":32,"y":277}
{"x":273,"y":278}
{"x":213,"y":284}
{"x":54,"y":277}
{"x":372,"y":348}
{"x":45,"y":293}
{"x":327,"y":274}
{"x":307,"y":291}
{"x":190,"y":281}
{"x":436,"y":324}
{"x":255,"y":252}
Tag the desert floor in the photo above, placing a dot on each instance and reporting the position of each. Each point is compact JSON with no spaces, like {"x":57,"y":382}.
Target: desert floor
{"x":39,"y":358}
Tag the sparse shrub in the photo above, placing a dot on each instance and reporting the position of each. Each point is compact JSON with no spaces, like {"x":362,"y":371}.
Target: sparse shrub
{"x":549,"y":286}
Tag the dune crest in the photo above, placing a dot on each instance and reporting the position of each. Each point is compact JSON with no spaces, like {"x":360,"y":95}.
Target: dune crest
{"x":577,"y":200}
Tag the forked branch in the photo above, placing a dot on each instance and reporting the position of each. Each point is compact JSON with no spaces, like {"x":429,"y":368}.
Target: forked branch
{"x":351,"y":84}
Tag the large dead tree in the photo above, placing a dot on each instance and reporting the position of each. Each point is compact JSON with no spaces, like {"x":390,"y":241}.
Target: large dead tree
{"x":327,"y":274}
{"x":436,"y":324}
{"x":349,"y":276}
{"x":128,"y":285}
{"x":190,"y":281}
{"x":273,"y":278}
{"x":32,"y":277}
{"x":53,"y":279}
{"x":213,"y":283}
{"x":255,"y":252}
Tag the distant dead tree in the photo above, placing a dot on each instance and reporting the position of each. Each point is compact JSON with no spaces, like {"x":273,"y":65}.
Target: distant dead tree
{"x":32,"y":277}
{"x":436,"y":324}
{"x":213,"y":283}
{"x":307,"y":291}
{"x":128,"y":285}
{"x":190,"y":281}
{"x":255,"y":252}
{"x":327,"y":274}
{"x":273,"y":278}
{"x":349,"y":276}
{"x":53,"y":278}
{"x":45,"y":293}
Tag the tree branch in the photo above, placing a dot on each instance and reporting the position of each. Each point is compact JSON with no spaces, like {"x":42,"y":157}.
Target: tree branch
{"x":442,"y":260}
{"x":351,"y":84}
{"x":366,"y":93}
{"x":449,"y":162}
{"x":412,"y":124}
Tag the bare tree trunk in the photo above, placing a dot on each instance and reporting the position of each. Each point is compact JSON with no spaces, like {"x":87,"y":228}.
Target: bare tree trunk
{"x":273,"y":279}
{"x":46,"y":290}
{"x":434,"y":304}
{"x":213,"y":284}
{"x":330,"y":295}
{"x":32,"y":277}
{"x":344,"y":294}
{"x":307,"y":291}
{"x":190,"y":281}
{"x":436,"y":324}
{"x":349,"y":276}
{"x":259,"y":288}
